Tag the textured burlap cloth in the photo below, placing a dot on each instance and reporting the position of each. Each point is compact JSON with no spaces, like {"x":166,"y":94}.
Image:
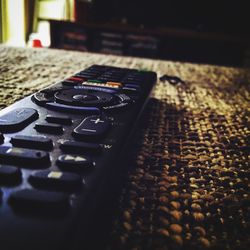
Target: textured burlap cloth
{"x":189,"y":183}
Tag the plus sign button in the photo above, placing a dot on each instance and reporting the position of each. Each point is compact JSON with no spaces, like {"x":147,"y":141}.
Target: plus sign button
{"x":92,"y":127}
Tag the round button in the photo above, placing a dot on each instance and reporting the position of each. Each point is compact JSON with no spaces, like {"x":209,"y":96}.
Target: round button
{"x":85,"y":98}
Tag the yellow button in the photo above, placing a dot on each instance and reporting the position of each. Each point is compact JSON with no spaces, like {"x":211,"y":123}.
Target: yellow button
{"x":55,"y":175}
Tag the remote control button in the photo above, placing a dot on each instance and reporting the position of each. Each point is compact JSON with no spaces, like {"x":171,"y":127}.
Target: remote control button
{"x":87,"y":75}
{"x":92,"y":126}
{"x":72,"y":81}
{"x":9,"y":175}
{"x":36,"y":201}
{"x":47,"y":95}
{"x":33,"y":142}
{"x":70,"y":146}
{"x":129,"y":90}
{"x":49,"y":128}
{"x":73,"y":109}
{"x":84,"y":98}
{"x":116,"y":107}
{"x":52,"y":90}
{"x":81,"y":97}
{"x":97,"y":88}
{"x":114,"y":84}
{"x":103,"y":84}
{"x":95,"y":81}
{"x":134,"y":86}
{"x":41,"y":98}
{"x":1,"y":138}
{"x":109,"y":78}
{"x":24,"y":157}
{"x":17,"y":119}
{"x":72,"y":162}
{"x":55,"y":179}
{"x":124,"y":98}
{"x":132,"y":80}
{"x":64,"y":120}
{"x":97,"y":68}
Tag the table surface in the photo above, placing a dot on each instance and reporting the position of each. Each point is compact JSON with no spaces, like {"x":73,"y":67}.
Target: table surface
{"x":189,"y":183}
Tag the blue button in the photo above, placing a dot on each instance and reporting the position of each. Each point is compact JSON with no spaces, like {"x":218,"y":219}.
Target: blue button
{"x":132,"y":86}
{"x":75,"y":109}
{"x":103,"y":89}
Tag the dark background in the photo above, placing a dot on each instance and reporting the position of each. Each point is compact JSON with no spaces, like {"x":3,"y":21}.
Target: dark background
{"x":210,"y":32}
{"x":220,"y":16}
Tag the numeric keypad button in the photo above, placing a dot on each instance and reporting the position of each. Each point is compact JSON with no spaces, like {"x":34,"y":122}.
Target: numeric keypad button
{"x":9,"y":175}
{"x":37,"y":201}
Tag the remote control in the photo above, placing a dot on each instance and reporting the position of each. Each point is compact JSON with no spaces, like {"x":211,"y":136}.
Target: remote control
{"x":58,"y":150}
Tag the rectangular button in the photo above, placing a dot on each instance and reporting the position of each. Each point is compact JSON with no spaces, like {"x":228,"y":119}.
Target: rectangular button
{"x":91,"y":127}
{"x":17,"y":119}
{"x":49,"y":128}
{"x":24,"y":157}
{"x":55,"y":180}
{"x":36,"y":201}
{"x":64,"y":120}
{"x":70,"y":146}
{"x":9,"y":175}
{"x":33,"y":142}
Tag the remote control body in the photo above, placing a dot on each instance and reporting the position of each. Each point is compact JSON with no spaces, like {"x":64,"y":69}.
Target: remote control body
{"x":58,"y":149}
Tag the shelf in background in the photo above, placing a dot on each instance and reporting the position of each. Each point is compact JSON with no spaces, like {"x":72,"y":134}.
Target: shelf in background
{"x":160,"y":43}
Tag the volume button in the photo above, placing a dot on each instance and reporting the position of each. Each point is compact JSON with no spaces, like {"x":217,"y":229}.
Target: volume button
{"x":91,"y":127}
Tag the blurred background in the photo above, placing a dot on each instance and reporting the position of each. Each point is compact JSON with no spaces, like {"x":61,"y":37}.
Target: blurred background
{"x":211,"y":32}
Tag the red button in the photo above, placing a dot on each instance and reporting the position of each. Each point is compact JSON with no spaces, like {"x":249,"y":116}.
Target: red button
{"x":76,"y":79}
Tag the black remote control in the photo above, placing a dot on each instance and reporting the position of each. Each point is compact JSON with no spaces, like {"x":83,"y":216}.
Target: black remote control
{"x":58,"y":149}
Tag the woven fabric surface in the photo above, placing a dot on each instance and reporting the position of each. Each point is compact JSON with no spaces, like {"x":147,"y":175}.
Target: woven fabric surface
{"x":189,"y":187}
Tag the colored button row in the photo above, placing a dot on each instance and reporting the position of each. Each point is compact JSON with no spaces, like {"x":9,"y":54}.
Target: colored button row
{"x":105,"y":77}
